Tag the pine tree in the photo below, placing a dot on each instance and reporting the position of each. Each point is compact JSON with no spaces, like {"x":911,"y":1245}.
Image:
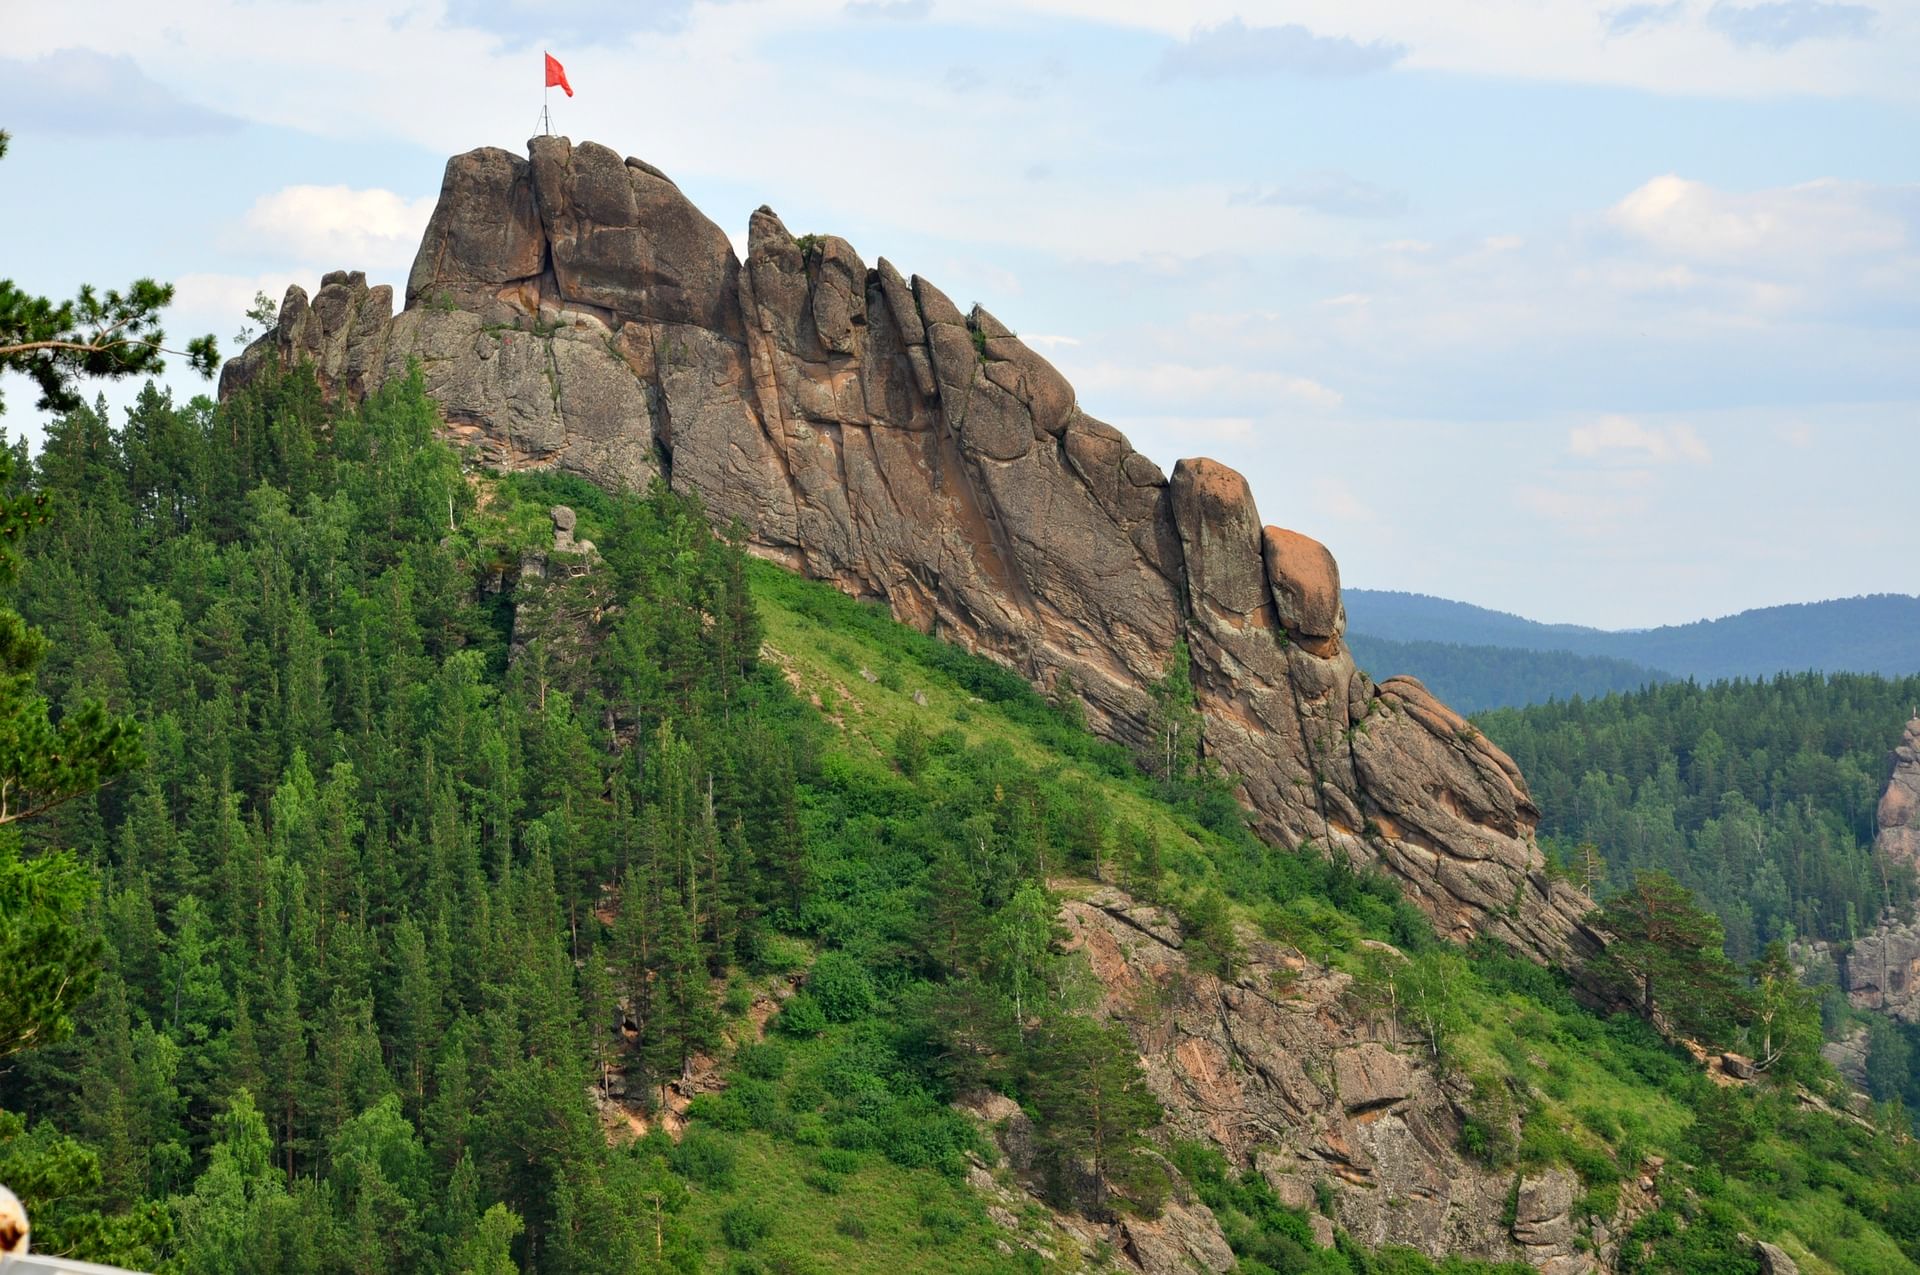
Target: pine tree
{"x":1090,"y":1102}
{"x":109,"y":335}
{"x":1667,"y":954}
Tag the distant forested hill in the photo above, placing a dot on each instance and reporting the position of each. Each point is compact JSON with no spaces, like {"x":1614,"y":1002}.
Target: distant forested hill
{"x":1879,"y":633}
{"x":1759,"y":795}
{"x":1472,"y":678}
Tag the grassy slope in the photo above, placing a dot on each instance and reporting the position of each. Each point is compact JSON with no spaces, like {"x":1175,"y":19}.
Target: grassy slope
{"x":1607,"y":1093}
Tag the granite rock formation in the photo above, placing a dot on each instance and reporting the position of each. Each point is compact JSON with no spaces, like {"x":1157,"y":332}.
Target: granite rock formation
{"x":574,"y":310}
{"x":1284,"y":1075}
{"x":1898,"y":816}
{"x":1882,"y":969}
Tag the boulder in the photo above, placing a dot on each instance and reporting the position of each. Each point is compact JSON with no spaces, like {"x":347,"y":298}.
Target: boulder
{"x":1370,"y":1076}
{"x":1220,"y":534}
{"x":1306,"y":589}
{"x":484,"y":233}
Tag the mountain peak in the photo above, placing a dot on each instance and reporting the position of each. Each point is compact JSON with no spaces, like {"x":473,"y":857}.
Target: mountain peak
{"x":573,"y":310}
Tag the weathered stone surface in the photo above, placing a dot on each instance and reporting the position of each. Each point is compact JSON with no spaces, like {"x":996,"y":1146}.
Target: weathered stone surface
{"x":623,"y":238}
{"x":484,"y":234}
{"x":1306,"y":589}
{"x":1849,"y":1056}
{"x":1882,"y":970}
{"x":1370,"y":1076}
{"x":1184,"y":1239}
{"x":1774,"y":1261}
{"x":574,"y":310}
{"x":1542,"y":1210}
{"x":1311,"y":1093}
{"x":1899,"y":810}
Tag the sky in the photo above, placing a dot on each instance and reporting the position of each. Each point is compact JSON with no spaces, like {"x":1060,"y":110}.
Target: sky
{"x":1595,"y":312}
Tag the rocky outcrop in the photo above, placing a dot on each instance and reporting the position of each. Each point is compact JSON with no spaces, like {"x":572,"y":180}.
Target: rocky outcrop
{"x":1898,"y":815}
{"x":1882,"y":968}
{"x":1277,"y":1070}
{"x":574,"y":310}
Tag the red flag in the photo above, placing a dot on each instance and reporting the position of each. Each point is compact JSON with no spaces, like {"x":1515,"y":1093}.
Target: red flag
{"x":557,"y":75}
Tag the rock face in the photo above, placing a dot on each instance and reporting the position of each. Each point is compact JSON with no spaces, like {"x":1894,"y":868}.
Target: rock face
{"x":1882,"y":971}
{"x":574,"y":310}
{"x":1276,"y":1070}
{"x":1899,"y":811}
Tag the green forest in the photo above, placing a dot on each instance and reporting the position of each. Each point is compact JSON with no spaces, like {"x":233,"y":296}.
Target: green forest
{"x":1759,"y":795}
{"x":421,"y":842}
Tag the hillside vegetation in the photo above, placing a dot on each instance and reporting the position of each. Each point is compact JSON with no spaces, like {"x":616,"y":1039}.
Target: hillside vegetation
{"x":650,"y":914}
{"x":1760,"y":796}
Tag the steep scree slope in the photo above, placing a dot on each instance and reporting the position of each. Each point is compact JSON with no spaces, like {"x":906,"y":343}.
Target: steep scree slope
{"x":574,"y":310}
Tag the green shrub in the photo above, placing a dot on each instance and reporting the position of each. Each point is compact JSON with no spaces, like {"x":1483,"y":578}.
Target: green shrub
{"x":764,"y":1061}
{"x":745,"y":1225}
{"x":720,"y":1110}
{"x":840,"y":1160}
{"x":944,"y":1223}
{"x":705,"y":1158}
{"x":802,"y":1017}
{"x":841,"y":987}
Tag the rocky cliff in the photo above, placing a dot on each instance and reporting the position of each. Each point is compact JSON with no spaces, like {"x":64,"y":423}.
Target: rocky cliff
{"x":1882,"y":970}
{"x":1277,"y":1070}
{"x":574,"y":310}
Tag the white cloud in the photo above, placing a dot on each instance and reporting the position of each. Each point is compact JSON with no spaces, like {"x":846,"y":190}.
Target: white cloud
{"x":1171,"y":434}
{"x":1780,"y":24}
{"x":224,"y":298}
{"x":1047,"y":341}
{"x":357,"y":229}
{"x":1612,"y":436}
{"x":1234,"y":49}
{"x":80,"y":92}
{"x":1335,"y":499}
{"x":1217,"y":384}
{"x":1811,"y":222}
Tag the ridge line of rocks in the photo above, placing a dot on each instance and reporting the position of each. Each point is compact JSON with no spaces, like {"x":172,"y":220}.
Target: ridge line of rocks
{"x":573,"y":310}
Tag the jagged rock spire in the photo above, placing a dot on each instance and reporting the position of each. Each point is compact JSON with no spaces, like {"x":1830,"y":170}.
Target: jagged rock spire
{"x":574,"y":310}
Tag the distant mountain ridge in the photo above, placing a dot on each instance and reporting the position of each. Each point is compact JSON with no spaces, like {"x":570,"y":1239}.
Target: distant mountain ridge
{"x":1475,"y":678}
{"x":1876,"y":633}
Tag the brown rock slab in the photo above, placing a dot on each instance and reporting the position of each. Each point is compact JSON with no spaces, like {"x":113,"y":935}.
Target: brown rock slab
{"x":1306,"y":588}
